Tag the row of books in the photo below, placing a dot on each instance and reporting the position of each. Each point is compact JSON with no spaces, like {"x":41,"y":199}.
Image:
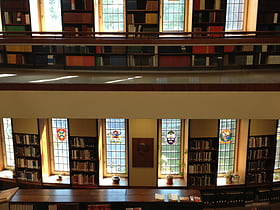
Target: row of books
{"x":28,"y":175}
{"x":26,"y":163}
{"x":200,"y":156}
{"x":200,"y":181}
{"x":16,"y":18}
{"x":77,"y":4}
{"x":19,"y":59}
{"x":48,"y":49}
{"x":257,"y":178}
{"x":200,"y":168}
{"x":208,"y":17}
{"x":258,"y":154}
{"x":148,"y":18}
{"x":99,"y":207}
{"x":257,"y":165}
{"x":261,"y":141}
{"x":207,"y":4}
{"x":82,"y":142}
{"x":30,"y":139}
{"x":83,"y":166}
{"x":79,"y":60}
{"x":235,"y":198}
{"x":28,"y":151}
{"x":79,"y":49}
{"x":82,"y":154}
{"x":82,"y":179}
{"x":201,"y":144}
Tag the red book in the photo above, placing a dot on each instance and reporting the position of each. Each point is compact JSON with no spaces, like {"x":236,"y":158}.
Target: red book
{"x":175,"y":61}
{"x":199,"y":49}
{"x":216,"y":29}
{"x":211,"y":49}
{"x":228,"y":48}
{"x":196,"y":5}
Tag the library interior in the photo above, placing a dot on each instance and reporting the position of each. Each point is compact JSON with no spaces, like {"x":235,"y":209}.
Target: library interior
{"x":139,"y":104}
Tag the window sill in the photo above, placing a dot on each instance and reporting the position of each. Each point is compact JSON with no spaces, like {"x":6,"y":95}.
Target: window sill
{"x":53,"y":179}
{"x":177,"y":182}
{"x":108,"y":182}
{"x":6,"y":174}
{"x":221,"y":181}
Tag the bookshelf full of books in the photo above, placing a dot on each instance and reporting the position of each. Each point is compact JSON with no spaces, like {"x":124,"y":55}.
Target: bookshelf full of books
{"x":208,"y":16}
{"x":79,"y":56}
{"x":78,"y":18}
{"x":15,"y":16}
{"x":268,"y":16}
{"x":84,"y":161}
{"x":202,"y":162}
{"x":27,"y":157}
{"x":111,"y":56}
{"x":174,"y":56}
{"x":48,"y":56}
{"x":260,"y":159}
{"x":142,"y":16}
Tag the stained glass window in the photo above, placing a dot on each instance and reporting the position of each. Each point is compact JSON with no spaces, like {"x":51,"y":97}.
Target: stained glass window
{"x":116,"y":146}
{"x":60,"y":144}
{"x":170,"y":152}
{"x":227,"y":141}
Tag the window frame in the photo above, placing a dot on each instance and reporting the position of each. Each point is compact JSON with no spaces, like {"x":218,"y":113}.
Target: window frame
{"x":188,"y":13}
{"x":277,"y":145}
{"x":236,"y":146}
{"x":99,"y":16}
{"x":3,"y":142}
{"x":104,"y":150}
{"x":182,"y":148}
{"x":52,"y":162}
{"x":249,"y":18}
{"x":41,"y":26}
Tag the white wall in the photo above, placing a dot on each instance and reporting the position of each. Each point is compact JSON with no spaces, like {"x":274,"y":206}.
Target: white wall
{"x":140,"y":105}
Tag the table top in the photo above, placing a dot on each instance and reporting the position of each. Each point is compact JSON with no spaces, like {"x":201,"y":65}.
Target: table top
{"x":98,"y":195}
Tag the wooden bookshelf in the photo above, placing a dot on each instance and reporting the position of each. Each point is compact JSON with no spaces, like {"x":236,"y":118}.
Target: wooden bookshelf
{"x":27,"y":157}
{"x":111,"y":56}
{"x":208,"y":15}
{"x":15,"y":16}
{"x":268,"y":16}
{"x":48,"y":56}
{"x":77,"y":16}
{"x":174,"y":56}
{"x":142,"y":16}
{"x":202,"y":154}
{"x":79,"y":56}
{"x":261,"y":152}
{"x":84,"y":161}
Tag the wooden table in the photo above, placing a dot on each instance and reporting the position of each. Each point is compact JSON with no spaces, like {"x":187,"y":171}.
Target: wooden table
{"x":115,"y":197}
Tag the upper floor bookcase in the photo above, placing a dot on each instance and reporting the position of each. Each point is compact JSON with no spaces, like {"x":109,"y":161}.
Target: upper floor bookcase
{"x":268,"y":16}
{"x":142,"y":16}
{"x":208,"y":15}
{"x":77,"y":16}
{"x":15,"y":16}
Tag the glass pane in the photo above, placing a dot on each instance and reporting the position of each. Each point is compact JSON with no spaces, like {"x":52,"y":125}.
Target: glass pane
{"x":227,"y":138}
{"x":8,"y":137}
{"x":116,"y":146}
{"x":234,"y":15}
{"x":113,"y":15}
{"x":173,"y":15}
{"x":170,"y":146}
{"x":60,"y":144}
